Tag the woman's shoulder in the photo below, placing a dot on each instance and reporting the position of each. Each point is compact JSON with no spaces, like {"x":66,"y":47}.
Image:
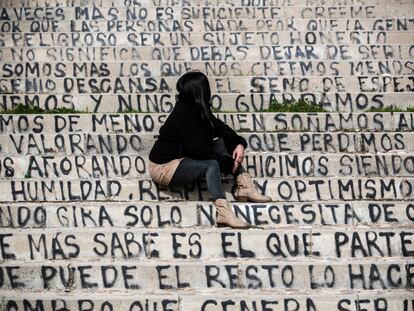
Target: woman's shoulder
{"x":184,"y":107}
{"x":185,"y":112}
{"x":174,"y":113}
{"x":176,"y":119}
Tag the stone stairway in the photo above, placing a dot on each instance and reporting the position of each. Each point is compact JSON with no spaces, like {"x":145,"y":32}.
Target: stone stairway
{"x":88,"y":229}
{"x":83,"y":227}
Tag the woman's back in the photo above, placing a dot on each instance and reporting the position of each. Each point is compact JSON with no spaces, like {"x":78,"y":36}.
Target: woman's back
{"x":182,"y":134}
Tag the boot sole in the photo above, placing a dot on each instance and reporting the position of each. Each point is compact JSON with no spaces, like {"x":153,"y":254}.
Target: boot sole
{"x":245,"y":199}
{"x":242,"y":199}
{"x":223,"y":225}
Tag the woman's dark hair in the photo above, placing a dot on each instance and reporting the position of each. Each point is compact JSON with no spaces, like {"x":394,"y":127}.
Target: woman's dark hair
{"x":193,"y":88}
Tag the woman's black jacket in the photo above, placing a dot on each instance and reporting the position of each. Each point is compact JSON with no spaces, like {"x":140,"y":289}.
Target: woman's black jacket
{"x":185,"y":135}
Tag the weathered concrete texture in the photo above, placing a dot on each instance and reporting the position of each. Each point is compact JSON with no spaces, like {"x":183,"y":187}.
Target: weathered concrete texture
{"x":214,"y":69}
{"x":243,"y":102}
{"x":141,"y":144}
{"x":150,"y":3}
{"x":249,"y":38}
{"x":280,"y":189}
{"x":208,"y":301}
{"x":244,"y":274}
{"x":225,"y":300}
{"x":281,"y":24}
{"x":281,"y":302}
{"x":212,"y":53}
{"x":204,"y":244}
{"x":206,"y":12}
{"x":112,"y":123}
{"x":297,"y":84}
{"x":224,"y":12}
{"x":83,"y":228}
{"x":257,"y":164}
{"x":137,"y":214}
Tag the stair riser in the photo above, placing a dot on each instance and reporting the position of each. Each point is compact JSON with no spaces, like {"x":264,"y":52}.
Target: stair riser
{"x":166,"y":85}
{"x":257,"y":165}
{"x":211,"y":53}
{"x":125,"y":123}
{"x":93,"y":245}
{"x":252,"y":275}
{"x":217,"y":71}
{"x":80,"y":235}
{"x":244,"y":102}
{"x":216,"y":302}
{"x":127,"y":144}
{"x":280,"y":190}
{"x":154,"y":39}
{"x":188,"y":214}
{"x":187,"y":3}
{"x":274,"y":12}
{"x":280,"y":24}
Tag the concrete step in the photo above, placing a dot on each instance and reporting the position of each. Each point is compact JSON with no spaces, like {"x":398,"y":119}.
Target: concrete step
{"x":394,"y":23}
{"x":257,"y":164}
{"x":219,"y":38}
{"x":280,"y":189}
{"x":204,"y":244}
{"x":186,"y":3}
{"x":253,"y":84}
{"x":123,"y":123}
{"x":141,"y":144}
{"x":255,"y":275}
{"x":152,"y":215}
{"x":211,"y":53}
{"x":214,"y":69}
{"x":243,"y":102}
{"x":209,"y":300}
{"x":206,"y":12}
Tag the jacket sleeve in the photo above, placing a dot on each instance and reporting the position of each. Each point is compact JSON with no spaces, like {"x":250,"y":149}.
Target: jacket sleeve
{"x":230,"y":137}
{"x":193,"y":146}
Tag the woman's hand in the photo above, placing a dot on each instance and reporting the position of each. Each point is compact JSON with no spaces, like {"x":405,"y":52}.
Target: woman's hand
{"x":238,"y":155}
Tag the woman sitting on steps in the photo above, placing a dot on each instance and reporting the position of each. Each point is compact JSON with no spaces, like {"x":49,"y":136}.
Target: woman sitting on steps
{"x":194,"y":144}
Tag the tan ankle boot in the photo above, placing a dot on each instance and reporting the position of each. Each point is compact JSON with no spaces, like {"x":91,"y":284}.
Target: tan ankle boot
{"x":246,"y":190}
{"x":226,"y":216}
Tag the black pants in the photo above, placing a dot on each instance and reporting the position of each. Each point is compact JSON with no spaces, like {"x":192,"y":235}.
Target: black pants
{"x":190,"y":170}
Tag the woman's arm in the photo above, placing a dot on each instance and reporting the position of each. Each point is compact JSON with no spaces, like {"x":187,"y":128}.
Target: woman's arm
{"x":230,"y":137}
{"x":195,"y":145}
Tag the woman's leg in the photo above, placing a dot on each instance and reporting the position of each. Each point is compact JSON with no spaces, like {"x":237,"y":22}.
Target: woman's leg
{"x":246,"y":190}
{"x":190,"y":170}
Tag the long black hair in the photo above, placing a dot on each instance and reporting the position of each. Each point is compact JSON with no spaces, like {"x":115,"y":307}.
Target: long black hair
{"x":193,"y":88}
